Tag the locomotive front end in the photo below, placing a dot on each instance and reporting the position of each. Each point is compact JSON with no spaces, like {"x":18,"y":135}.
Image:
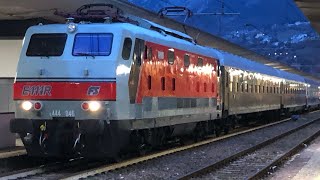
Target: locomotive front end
{"x":65,"y":90}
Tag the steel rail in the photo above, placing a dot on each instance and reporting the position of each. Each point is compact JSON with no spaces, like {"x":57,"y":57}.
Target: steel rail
{"x":200,"y":171}
{"x":287,"y":155}
{"x":137,"y":160}
{"x":40,"y":170}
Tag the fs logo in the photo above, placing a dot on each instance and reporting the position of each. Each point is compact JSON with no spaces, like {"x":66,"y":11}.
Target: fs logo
{"x":93,"y":90}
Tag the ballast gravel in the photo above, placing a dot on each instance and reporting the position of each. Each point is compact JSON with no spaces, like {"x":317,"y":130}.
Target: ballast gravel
{"x":177,"y":164}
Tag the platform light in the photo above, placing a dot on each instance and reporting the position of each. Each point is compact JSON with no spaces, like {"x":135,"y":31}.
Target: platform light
{"x":26,"y":105}
{"x":94,"y":106}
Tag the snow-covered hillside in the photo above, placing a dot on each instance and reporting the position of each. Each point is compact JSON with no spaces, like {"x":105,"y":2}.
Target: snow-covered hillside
{"x":274,"y":28}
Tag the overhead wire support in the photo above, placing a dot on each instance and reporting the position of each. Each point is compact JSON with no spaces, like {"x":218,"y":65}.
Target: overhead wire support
{"x":183,"y":11}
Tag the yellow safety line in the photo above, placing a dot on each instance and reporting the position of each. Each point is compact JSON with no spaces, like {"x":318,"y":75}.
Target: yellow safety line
{"x":12,"y":153}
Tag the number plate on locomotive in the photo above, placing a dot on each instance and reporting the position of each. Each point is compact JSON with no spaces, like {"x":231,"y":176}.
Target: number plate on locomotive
{"x":62,"y":113}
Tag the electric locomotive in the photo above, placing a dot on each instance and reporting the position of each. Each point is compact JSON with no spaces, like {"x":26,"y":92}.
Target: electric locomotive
{"x":97,"y":89}
{"x":104,"y":83}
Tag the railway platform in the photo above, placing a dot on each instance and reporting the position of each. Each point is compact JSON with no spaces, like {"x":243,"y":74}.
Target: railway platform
{"x":304,"y":165}
{"x":7,"y":139}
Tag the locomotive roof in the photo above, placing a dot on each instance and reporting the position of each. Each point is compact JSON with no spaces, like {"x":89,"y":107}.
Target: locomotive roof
{"x":139,"y":32}
{"x":226,"y":59}
{"x":235,"y":61}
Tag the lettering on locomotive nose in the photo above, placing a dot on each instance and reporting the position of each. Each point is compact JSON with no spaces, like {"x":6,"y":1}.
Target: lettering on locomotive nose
{"x":36,"y":90}
{"x":93,"y":90}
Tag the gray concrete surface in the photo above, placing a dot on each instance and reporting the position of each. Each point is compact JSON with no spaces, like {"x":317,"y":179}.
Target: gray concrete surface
{"x":7,"y":139}
{"x":6,"y":91}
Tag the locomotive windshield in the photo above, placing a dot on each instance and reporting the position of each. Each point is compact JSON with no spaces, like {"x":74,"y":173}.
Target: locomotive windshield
{"x":92,"y":44}
{"x":47,"y":44}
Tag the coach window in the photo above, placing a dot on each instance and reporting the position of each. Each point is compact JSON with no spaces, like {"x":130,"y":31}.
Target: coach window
{"x":126,"y":50}
{"x":200,"y":62}
{"x":171,"y":56}
{"x":186,"y":60}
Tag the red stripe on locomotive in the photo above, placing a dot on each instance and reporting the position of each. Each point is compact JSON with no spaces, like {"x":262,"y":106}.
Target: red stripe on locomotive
{"x":65,"y":90}
{"x":179,"y":81}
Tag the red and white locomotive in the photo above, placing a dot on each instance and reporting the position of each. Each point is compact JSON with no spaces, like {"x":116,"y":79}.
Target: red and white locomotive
{"x":96,"y":89}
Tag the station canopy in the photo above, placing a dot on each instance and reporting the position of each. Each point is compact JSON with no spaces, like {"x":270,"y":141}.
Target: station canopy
{"x":311,"y":9}
{"x":21,"y":10}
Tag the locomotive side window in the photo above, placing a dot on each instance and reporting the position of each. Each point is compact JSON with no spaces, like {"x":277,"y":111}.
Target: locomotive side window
{"x":92,"y":44}
{"x":163,"y":84}
{"x":186,"y":60}
{"x":173,"y":84}
{"x":138,"y":51}
{"x":200,"y":62}
{"x":126,"y":50}
{"x":170,"y":56}
{"x":47,"y":44}
{"x":149,"y":53}
{"x":149,"y":82}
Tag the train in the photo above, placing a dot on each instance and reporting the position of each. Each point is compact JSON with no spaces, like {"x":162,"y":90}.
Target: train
{"x":99,"y":89}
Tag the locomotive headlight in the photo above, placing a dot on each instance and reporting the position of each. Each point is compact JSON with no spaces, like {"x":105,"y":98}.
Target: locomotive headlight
{"x":72,"y":27}
{"x":26,"y":105}
{"x":94,"y":106}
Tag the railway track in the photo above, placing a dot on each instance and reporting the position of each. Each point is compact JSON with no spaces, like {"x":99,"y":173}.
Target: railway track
{"x":257,"y":161}
{"x":178,"y":162}
{"x":56,"y":170}
{"x":143,"y":167}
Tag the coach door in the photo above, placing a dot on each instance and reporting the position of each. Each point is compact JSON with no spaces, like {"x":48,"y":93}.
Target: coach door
{"x":225,"y":91}
{"x":138,"y":53}
{"x":281,"y":94}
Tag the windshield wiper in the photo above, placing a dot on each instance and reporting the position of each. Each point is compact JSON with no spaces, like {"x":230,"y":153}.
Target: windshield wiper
{"x":85,"y":54}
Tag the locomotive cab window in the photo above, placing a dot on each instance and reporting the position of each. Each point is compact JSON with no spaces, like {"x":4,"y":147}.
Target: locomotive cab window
{"x":47,"y":44}
{"x":171,"y":56}
{"x":126,"y":50}
{"x":186,"y":60}
{"x":92,"y":44}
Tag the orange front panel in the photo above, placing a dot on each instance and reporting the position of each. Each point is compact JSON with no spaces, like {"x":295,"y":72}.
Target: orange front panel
{"x":158,"y":78}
